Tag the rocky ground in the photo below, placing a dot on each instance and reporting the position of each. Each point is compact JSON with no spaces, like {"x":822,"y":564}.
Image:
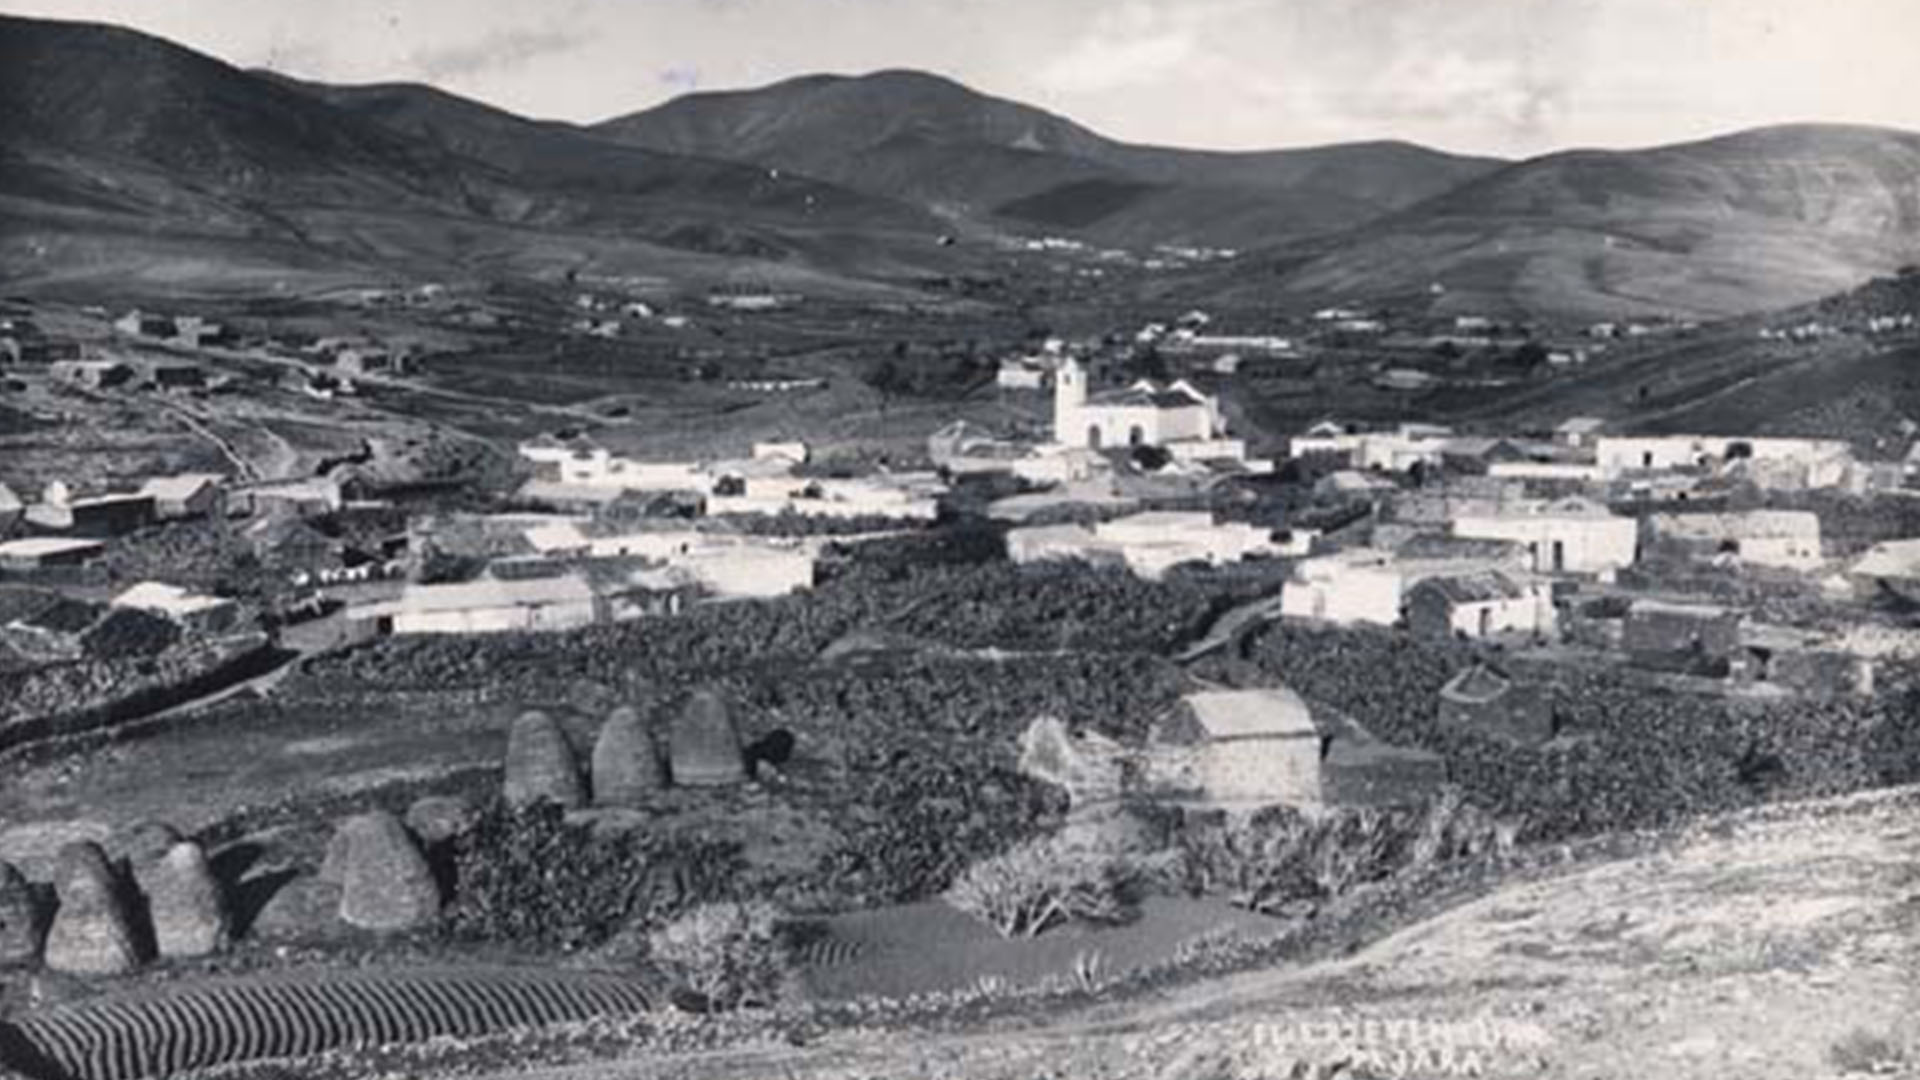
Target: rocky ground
{"x":1783,"y":947}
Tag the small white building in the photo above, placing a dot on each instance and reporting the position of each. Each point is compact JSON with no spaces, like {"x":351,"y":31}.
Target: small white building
{"x":189,"y":495}
{"x":487,"y":606}
{"x":1248,"y":749}
{"x":1024,"y":373}
{"x":1573,"y":535}
{"x":1579,"y":431}
{"x":1152,"y":543}
{"x":792,"y":450}
{"x":1770,"y":462}
{"x":1480,"y":605}
{"x":1360,"y":585}
{"x":1396,"y":450}
{"x":1785,"y":539}
{"x":209,"y":614}
{"x":721,"y":564}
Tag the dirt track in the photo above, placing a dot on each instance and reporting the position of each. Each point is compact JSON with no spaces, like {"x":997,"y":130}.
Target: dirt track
{"x":1777,"y":949}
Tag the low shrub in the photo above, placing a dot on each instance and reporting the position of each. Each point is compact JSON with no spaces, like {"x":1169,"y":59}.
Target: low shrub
{"x":1037,"y":886}
{"x":731,"y":954}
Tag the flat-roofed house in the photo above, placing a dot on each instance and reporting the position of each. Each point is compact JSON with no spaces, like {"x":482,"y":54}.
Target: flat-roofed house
{"x":1888,"y":570}
{"x":1480,"y":605}
{"x":94,"y":515}
{"x":188,"y":495}
{"x":1773,"y":462}
{"x":1579,"y":431}
{"x":488,"y":605}
{"x":206,"y":614}
{"x":1152,"y":543}
{"x":1573,"y":535}
{"x":39,"y":552}
{"x":1786,"y":539}
{"x":1354,"y":586}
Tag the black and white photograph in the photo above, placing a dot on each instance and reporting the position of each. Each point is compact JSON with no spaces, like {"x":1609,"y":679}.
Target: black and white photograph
{"x":959,"y":539}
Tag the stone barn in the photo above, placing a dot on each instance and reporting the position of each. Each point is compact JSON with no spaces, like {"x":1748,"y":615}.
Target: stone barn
{"x":1488,"y":701}
{"x":1247,"y":748}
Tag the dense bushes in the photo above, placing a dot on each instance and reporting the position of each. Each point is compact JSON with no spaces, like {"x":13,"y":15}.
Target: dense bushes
{"x":959,"y":605}
{"x":920,"y":819}
{"x":529,"y":877}
{"x":1632,"y":755}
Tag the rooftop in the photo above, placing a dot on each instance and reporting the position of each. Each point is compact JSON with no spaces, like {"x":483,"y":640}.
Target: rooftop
{"x":493,"y":593}
{"x":1751,"y":524}
{"x":170,"y":599}
{"x":176,"y":487}
{"x":1274,"y":712}
{"x":1476,"y":587}
{"x":34,"y":547}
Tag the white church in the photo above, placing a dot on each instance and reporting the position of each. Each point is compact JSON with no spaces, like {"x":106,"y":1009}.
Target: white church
{"x":1178,"y":418}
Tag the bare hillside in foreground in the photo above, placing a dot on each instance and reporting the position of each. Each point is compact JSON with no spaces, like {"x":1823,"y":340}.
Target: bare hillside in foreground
{"x":1783,"y":945}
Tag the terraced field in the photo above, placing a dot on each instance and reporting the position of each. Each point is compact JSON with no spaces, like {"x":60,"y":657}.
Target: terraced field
{"x":170,"y":1030}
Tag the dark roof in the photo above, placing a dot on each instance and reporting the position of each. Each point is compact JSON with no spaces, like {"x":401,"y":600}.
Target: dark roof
{"x":64,"y":615}
{"x":1475,"y":587}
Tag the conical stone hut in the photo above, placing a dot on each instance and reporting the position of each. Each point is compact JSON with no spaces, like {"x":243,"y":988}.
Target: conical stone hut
{"x":541,"y":766}
{"x":705,"y":744}
{"x":626,"y":763}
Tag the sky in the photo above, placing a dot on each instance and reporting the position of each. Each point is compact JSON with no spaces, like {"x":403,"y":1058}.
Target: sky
{"x":1505,"y":77}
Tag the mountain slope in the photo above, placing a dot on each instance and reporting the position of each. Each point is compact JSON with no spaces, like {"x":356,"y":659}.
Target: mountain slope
{"x":1745,"y":222}
{"x":125,"y":157}
{"x":924,"y":138}
{"x":565,"y":159}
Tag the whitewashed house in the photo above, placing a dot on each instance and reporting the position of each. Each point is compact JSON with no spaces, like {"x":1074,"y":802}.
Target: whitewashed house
{"x":1785,"y":539}
{"x":1359,"y":585}
{"x":1152,"y":543}
{"x":487,"y":606}
{"x":1573,"y":535}
{"x":196,"y":611}
{"x":721,"y":564}
{"x":1579,"y":431}
{"x":1480,"y":605}
{"x":1023,"y":373}
{"x":1770,"y":462}
{"x":188,"y":495}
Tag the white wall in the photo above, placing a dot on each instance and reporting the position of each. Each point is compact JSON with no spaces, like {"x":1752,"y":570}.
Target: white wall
{"x":1587,"y":545}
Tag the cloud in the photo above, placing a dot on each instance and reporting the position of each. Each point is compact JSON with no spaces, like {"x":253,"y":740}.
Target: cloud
{"x":1107,"y":63}
{"x":1503,"y":93}
{"x":502,"y":50}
